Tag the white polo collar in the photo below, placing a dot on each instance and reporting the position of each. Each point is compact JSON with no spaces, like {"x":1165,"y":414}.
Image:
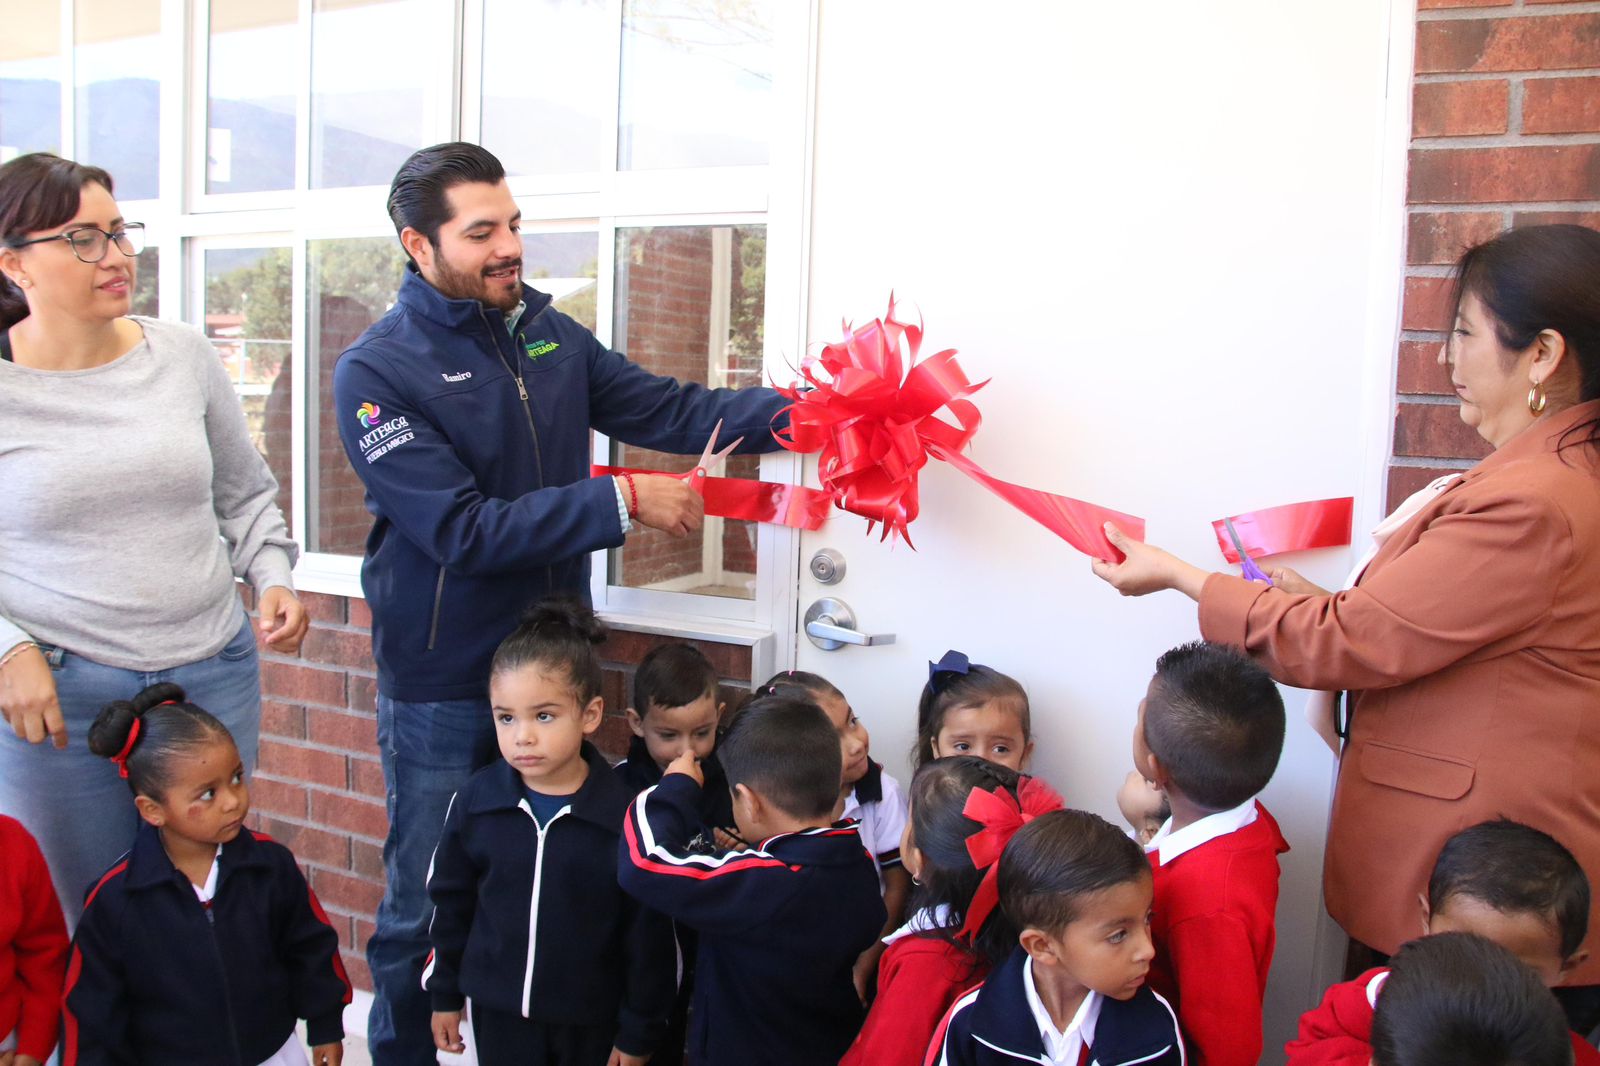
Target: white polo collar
{"x":1062,"y":1046}
{"x":1169,"y":845}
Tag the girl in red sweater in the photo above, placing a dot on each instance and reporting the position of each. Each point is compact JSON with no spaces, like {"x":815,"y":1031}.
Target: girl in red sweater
{"x":963,"y":810}
{"x":33,"y":950}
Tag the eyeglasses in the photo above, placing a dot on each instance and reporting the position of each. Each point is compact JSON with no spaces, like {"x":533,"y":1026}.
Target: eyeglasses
{"x":90,"y":244}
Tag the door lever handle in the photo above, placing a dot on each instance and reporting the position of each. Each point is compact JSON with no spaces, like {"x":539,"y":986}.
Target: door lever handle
{"x":830,"y":624}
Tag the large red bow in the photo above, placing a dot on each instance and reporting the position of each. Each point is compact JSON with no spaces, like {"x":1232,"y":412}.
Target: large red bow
{"x":876,"y":424}
{"x":1001,"y":814}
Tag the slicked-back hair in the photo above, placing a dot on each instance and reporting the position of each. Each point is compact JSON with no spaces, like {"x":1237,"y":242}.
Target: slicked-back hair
{"x":417,"y":194}
{"x":558,"y":634}
{"x":672,"y":675}
{"x":1056,"y":860}
{"x":171,"y":729}
{"x":1455,"y":999}
{"x":1215,"y":720}
{"x":1516,"y":869}
{"x":787,"y":750}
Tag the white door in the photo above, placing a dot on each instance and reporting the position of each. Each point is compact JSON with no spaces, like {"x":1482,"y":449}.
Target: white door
{"x":1158,"y":229}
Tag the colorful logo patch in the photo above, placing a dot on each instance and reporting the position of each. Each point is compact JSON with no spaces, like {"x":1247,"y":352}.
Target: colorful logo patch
{"x":367,"y":415}
{"x":538,"y":348}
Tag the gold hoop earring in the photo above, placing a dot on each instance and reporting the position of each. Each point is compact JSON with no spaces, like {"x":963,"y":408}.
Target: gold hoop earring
{"x":1537,"y":399}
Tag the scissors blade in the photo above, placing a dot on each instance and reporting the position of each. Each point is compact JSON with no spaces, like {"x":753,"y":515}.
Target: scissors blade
{"x":711,"y":456}
{"x":1247,"y":565}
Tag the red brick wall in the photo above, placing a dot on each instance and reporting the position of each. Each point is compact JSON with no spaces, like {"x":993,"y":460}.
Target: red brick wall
{"x":1505,"y":132}
{"x":319,"y":786}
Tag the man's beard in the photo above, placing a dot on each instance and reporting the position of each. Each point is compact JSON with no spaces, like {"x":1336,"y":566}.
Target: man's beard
{"x":463,"y":285}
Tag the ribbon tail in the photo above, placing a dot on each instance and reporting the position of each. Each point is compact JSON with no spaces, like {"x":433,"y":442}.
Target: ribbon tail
{"x":1079,"y":523}
{"x":1290,"y":528}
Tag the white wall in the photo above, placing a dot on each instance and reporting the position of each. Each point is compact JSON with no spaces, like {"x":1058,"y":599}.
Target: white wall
{"x":1153,"y":225}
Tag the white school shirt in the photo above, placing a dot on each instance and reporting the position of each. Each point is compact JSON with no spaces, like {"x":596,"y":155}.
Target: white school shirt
{"x":877,"y":802}
{"x":1169,"y":845}
{"x":1062,"y":1047}
{"x":291,"y":1053}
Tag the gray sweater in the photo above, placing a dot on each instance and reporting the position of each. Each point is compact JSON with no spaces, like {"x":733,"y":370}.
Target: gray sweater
{"x":130,"y":498}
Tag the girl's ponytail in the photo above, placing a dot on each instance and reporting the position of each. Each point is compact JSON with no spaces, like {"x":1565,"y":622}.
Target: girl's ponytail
{"x":144,"y":735}
{"x":561,"y":632}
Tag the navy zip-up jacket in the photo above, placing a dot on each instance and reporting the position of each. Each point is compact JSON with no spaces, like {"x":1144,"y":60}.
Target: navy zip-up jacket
{"x":993,"y":1026}
{"x":533,"y":922}
{"x":639,"y":771}
{"x":474,"y":446}
{"x":780,"y":927}
{"x":157,"y":976}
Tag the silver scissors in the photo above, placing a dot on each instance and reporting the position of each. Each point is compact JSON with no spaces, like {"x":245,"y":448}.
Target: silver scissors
{"x":709,"y":459}
{"x":1247,"y":566}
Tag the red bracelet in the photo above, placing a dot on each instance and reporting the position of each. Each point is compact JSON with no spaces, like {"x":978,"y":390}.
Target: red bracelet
{"x":633,"y":494}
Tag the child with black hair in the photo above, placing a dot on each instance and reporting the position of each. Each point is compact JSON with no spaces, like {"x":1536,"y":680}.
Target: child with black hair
{"x":203,"y":944}
{"x":1073,"y":991}
{"x":967,"y":708}
{"x":963,"y":811}
{"x":1501,"y":880}
{"x":1455,"y":999}
{"x":562,"y":967}
{"x":675,"y":709}
{"x":1209,"y":734}
{"x":33,"y":950}
{"x":869,"y":795}
{"x":781,"y":922}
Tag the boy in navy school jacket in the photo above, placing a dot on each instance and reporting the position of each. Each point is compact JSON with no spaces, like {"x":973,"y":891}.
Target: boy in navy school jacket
{"x":147,"y":960}
{"x":1073,"y":993}
{"x":780,"y":923}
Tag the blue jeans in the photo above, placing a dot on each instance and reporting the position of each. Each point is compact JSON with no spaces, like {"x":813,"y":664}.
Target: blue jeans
{"x":73,"y":801}
{"x":428,"y":751}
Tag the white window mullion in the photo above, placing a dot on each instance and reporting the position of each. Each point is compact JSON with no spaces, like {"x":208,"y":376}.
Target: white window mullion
{"x":69,"y":82}
{"x":470,"y":82}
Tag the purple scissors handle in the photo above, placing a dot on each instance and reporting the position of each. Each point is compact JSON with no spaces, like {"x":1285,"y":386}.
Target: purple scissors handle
{"x":1247,"y":566}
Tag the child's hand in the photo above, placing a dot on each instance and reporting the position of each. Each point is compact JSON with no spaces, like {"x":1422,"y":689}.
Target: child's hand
{"x":447,"y":1031}
{"x":622,"y":1058}
{"x":687,"y":765}
{"x":727,"y":839}
{"x":327,"y":1054}
{"x":18,"y":1060}
{"x":865,"y":971}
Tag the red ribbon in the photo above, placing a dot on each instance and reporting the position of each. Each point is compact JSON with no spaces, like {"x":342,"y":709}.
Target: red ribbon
{"x":875,"y":424}
{"x":750,"y":501}
{"x":121,"y":757}
{"x":1001,"y":814}
{"x":1291,"y":528}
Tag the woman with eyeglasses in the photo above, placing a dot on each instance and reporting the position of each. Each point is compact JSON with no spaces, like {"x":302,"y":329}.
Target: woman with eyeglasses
{"x":132,"y":497}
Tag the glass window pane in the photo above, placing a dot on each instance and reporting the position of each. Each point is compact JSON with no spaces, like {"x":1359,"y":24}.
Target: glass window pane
{"x":250,"y":106}
{"x":117,"y":57}
{"x":690,"y":304}
{"x":564,"y":265}
{"x":145,"y":278}
{"x":246,"y":315}
{"x":350,"y":284}
{"x":549,"y":120}
{"x":30,"y":78}
{"x":369,"y":101}
{"x":696,"y":83}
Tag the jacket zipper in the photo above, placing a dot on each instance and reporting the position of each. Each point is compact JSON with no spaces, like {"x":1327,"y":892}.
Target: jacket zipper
{"x":533,"y":903}
{"x":227,"y":996}
{"x":515,"y":369}
{"x":438,"y":602}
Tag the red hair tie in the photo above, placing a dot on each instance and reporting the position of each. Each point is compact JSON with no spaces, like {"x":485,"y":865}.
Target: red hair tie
{"x":121,"y":757}
{"x":1001,"y":814}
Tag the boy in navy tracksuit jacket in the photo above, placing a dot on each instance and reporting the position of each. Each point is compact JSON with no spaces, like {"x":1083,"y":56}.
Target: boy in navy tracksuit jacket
{"x":780,"y":924}
{"x":148,"y":960}
{"x":1073,"y":993}
{"x":530,"y":921}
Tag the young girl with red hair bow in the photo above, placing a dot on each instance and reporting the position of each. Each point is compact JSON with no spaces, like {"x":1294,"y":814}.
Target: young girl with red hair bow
{"x":963,"y":810}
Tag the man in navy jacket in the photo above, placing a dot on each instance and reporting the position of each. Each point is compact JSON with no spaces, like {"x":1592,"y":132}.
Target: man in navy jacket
{"x":466,"y":411}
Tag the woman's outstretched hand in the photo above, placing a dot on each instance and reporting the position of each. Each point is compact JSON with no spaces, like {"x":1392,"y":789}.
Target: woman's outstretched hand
{"x":1146,"y":568}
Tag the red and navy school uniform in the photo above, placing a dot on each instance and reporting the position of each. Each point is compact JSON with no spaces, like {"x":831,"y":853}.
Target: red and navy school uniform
{"x":780,"y":926}
{"x":638,"y":772}
{"x":1214,"y":927}
{"x":530,"y":923}
{"x":922,"y":972}
{"x":994,"y":1025}
{"x":33,"y":945}
{"x":157,"y":976}
{"x":1338,"y":1031}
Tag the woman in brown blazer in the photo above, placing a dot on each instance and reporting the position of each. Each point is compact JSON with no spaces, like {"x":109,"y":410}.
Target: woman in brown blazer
{"x":1470,"y":645}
